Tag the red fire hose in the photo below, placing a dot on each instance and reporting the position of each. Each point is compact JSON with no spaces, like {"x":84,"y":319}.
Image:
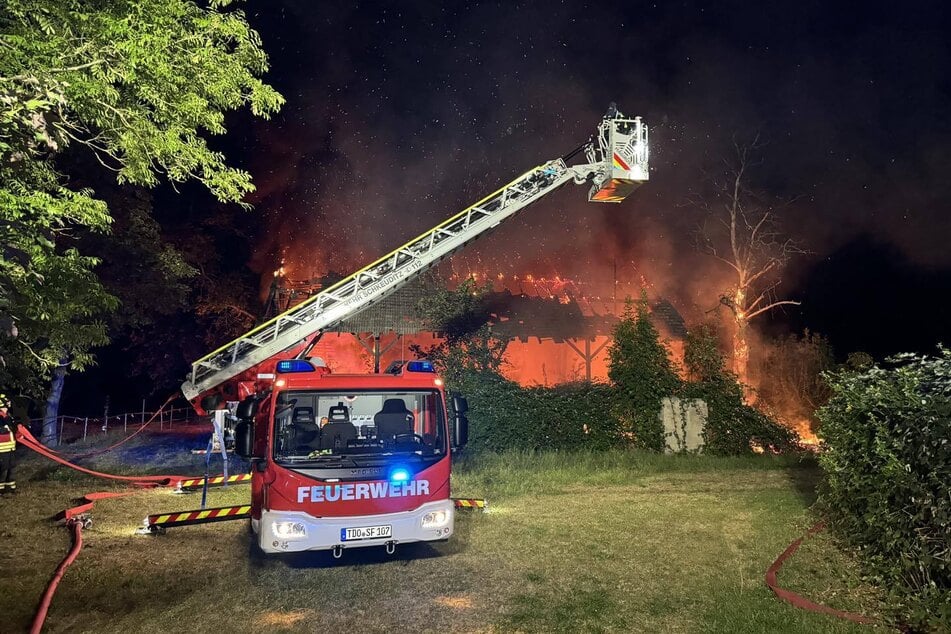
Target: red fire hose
{"x":40,"y":618}
{"x":798,"y":600}
{"x":76,"y":522}
{"x":73,"y":515}
{"x":26,"y":439}
{"x":123,"y":440}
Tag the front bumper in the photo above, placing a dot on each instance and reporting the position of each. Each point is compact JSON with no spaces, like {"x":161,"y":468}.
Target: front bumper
{"x":323,"y":533}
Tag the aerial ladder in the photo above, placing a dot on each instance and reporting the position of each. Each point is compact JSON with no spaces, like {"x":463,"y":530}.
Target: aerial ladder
{"x":615,"y":164}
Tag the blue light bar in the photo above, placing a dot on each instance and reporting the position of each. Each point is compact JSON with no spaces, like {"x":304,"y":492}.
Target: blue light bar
{"x":399,"y":475}
{"x":287,"y":366}
{"x":420,"y":366}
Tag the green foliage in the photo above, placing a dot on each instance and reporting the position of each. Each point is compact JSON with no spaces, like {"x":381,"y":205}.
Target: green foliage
{"x":642,"y":374}
{"x":733,"y":427}
{"x":469,"y":348}
{"x":504,"y":415}
{"x":51,"y":300}
{"x":137,"y":87}
{"x":577,"y":416}
{"x":887,"y":458}
{"x":137,"y":83}
{"x":499,"y":414}
{"x":146,"y":274}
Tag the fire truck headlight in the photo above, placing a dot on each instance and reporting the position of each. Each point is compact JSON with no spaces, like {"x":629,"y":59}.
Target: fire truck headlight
{"x":290,"y":530}
{"x":435,"y":519}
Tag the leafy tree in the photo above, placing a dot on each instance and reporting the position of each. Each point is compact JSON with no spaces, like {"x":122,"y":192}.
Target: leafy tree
{"x":136,"y":86}
{"x":702,"y":356}
{"x":641,"y":370}
{"x":462,"y":318}
{"x":219,"y":304}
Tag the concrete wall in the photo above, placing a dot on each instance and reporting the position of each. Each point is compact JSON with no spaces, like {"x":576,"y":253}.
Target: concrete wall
{"x":684,"y":422}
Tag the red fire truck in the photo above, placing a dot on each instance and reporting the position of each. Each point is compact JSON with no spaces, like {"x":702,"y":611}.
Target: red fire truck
{"x":342,"y":461}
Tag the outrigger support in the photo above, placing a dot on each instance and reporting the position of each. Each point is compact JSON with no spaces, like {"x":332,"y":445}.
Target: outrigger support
{"x":156,"y":524}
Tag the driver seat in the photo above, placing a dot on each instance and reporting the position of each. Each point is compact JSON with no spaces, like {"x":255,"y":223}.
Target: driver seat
{"x":306,"y":430}
{"x":394,"y":419}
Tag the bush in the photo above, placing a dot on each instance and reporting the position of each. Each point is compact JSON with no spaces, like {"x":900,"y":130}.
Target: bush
{"x":734,"y":428}
{"x":577,"y":416}
{"x":504,"y":415}
{"x":887,"y":459}
{"x":499,"y":416}
{"x":642,"y":374}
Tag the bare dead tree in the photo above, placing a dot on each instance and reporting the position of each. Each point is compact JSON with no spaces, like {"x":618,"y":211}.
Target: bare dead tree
{"x":741,"y":229}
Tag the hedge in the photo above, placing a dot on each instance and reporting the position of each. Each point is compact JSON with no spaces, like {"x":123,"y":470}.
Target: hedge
{"x":887,"y":459}
{"x":504,"y":415}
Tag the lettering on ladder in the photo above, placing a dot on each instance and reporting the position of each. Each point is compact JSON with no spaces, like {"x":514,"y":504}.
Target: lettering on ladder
{"x":362,"y":491}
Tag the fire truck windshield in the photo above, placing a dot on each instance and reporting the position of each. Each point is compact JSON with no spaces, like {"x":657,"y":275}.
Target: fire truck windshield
{"x":322,"y":426}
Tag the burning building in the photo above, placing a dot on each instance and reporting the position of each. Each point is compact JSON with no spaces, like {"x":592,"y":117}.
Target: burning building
{"x":556,"y":332}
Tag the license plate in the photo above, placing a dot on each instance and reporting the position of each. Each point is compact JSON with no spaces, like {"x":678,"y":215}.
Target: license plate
{"x":365,"y":532}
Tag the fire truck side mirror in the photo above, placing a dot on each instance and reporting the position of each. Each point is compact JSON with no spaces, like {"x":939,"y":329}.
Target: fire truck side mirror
{"x":243,"y":438}
{"x":461,"y":431}
{"x":247,"y":409}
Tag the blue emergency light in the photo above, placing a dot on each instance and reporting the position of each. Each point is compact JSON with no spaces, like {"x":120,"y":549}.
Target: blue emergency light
{"x":399,"y":474}
{"x":288,"y":366}
{"x":420,"y":366}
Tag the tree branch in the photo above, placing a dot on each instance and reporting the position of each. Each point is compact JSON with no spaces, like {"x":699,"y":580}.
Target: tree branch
{"x":772,"y":306}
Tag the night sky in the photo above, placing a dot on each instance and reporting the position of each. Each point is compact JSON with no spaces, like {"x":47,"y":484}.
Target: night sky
{"x":400,"y":114}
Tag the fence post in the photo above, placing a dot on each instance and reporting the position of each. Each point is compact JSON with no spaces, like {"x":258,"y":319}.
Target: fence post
{"x":125,"y":422}
{"x":59,"y":439}
{"x":85,"y":427}
{"x":143,"y":411}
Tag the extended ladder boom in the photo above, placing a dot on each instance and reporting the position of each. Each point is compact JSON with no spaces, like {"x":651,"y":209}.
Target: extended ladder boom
{"x":617,"y":164}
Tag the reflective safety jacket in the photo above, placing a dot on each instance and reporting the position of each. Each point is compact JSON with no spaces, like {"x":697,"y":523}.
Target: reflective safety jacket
{"x":7,"y":441}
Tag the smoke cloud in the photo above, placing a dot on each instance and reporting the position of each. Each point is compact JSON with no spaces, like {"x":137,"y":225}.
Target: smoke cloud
{"x":401,"y":116}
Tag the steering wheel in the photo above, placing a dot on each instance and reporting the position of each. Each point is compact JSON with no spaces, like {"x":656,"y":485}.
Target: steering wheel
{"x":416,"y":437}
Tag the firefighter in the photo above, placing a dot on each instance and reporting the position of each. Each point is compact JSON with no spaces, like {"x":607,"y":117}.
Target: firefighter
{"x":8,"y":444}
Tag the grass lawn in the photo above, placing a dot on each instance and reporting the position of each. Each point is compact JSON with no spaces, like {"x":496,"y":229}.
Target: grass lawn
{"x":619,"y":542}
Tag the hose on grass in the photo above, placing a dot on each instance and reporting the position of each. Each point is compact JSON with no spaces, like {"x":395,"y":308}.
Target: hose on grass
{"x":134,"y":433}
{"x":75,"y":521}
{"x":26,"y":439}
{"x":797,"y":600}
{"x":40,"y":618}
{"x":74,"y":516}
